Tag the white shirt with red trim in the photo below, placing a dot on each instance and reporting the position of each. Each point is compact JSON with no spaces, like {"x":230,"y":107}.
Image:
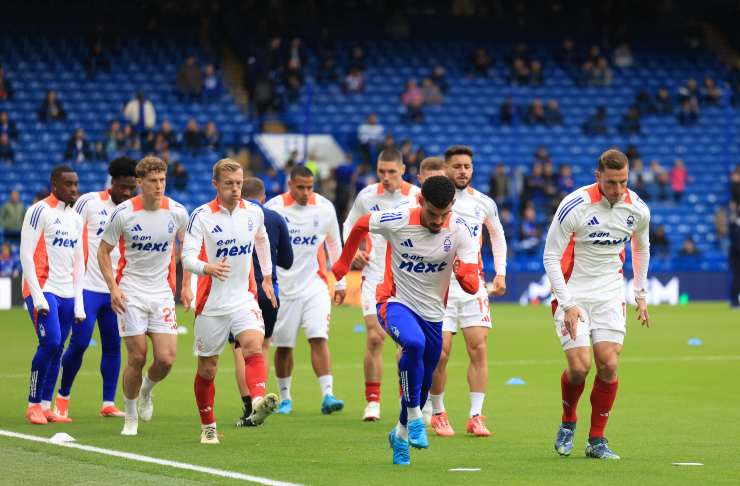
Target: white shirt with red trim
{"x":146,"y":241}
{"x":51,"y":253}
{"x":95,"y":208}
{"x":311,"y":228}
{"x":375,"y":198}
{"x":214,"y":233}
{"x":418,"y":262}
{"x":479,"y":210}
{"x":585,"y":246}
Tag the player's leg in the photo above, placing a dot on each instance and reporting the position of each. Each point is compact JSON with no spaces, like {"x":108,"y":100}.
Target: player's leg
{"x":373,"y":363}
{"x":72,"y":358}
{"x":269,"y":316}
{"x":49,"y":336}
{"x":477,"y":346}
{"x":439,"y":421}
{"x":283,"y":340}
{"x":432,"y":351}
{"x":316,"y":318}
{"x":136,"y":348}
{"x":65,"y":309}
{"x":110,"y":359}
{"x":241,"y":381}
{"x":205,"y":395}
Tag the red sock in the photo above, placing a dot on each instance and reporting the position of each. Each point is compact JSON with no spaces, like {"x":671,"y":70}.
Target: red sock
{"x":602,"y":399}
{"x":570,"y":394}
{"x":255,"y":372}
{"x":372,"y":391}
{"x":205,"y":391}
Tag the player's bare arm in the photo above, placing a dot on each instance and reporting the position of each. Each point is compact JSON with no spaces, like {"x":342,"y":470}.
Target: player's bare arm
{"x":117,"y":297}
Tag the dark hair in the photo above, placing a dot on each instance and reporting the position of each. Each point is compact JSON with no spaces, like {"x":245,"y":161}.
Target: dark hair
{"x":300,"y":171}
{"x":612,"y":159}
{"x":59,"y":170}
{"x":458,"y":150}
{"x":438,"y":191}
{"x":390,"y":155}
{"x":253,"y":188}
{"x":122,"y":167}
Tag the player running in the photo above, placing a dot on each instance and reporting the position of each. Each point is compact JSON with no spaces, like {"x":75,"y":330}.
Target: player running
{"x":305,"y":300}
{"x":145,"y":229}
{"x":470,"y":313}
{"x":53,"y":268}
{"x":425,"y":245}
{"x":95,"y":209}
{"x":219,"y":242}
{"x":281,"y":253}
{"x":391,"y":192}
{"x":584,"y":255}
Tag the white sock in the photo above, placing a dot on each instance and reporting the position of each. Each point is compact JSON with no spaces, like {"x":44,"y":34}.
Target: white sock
{"x":326,"y":383}
{"x":427,"y":408}
{"x":208,"y":425}
{"x":31,"y":404}
{"x":45,"y":405}
{"x":284,"y":387}
{"x":130,"y":408}
{"x":476,"y":403}
{"x":147,"y":385}
{"x":109,"y":404}
{"x":59,"y":395}
{"x":413,"y":413}
{"x":402,"y":432}
{"x":438,"y":404}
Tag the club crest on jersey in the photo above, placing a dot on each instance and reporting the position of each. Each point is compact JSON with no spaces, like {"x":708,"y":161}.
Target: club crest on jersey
{"x":630,"y":221}
{"x":171,"y":227}
{"x":250,"y":224}
{"x":447,"y":245}
{"x":477,"y":211}
{"x":315,"y":221}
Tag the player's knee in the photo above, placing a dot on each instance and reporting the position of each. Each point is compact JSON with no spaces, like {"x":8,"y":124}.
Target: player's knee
{"x":136,"y":360}
{"x":414,"y":347}
{"x":207,"y":370}
{"x":477,"y":350}
{"x":375,"y":340}
{"x":165,"y":360}
{"x":444,"y":357}
{"x":607,"y":368}
{"x":579,"y":371}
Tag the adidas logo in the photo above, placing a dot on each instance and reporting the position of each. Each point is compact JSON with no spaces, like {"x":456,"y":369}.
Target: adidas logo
{"x":217,"y":229}
{"x":104,"y":213}
{"x":408,"y":243}
{"x":57,"y":221}
{"x":137,"y":228}
{"x":593,"y":221}
{"x":100,"y":232}
{"x":375,"y":208}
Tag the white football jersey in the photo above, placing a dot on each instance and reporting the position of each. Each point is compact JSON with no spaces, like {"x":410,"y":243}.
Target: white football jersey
{"x":585,"y":247}
{"x":418,"y":262}
{"x":146,"y":242}
{"x":95,"y":209}
{"x":309,"y":226}
{"x":375,"y":198}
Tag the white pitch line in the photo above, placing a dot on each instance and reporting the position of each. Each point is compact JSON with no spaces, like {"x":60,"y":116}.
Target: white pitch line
{"x":151,"y":460}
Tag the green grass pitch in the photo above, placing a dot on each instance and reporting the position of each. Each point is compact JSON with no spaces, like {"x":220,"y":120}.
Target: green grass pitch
{"x":676,"y":403}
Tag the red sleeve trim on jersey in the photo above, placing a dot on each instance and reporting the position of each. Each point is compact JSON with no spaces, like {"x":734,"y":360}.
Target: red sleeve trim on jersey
{"x":40,"y":263}
{"x":468,"y":277}
{"x":359,"y":230}
{"x":85,"y":249}
{"x":122,"y":259}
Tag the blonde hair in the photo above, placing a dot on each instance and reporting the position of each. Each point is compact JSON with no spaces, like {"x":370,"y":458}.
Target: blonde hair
{"x":150,"y":164}
{"x":225,"y":165}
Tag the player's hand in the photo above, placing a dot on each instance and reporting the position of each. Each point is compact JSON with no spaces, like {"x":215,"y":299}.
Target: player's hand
{"x":79,"y":320}
{"x":220,"y":269}
{"x":642,"y":312}
{"x":572,"y":316}
{"x":360,"y":260}
{"x":269,"y":290}
{"x":499,"y":286}
{"x":118,"y":300}
{"x":186,"y":296}
{"x":339,"y":296}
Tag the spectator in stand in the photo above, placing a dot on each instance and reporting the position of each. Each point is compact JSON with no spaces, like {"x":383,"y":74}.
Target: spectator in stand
{"x":541,"y":155}
{"x":507,"y":111}
{"x":51,"y":108}
{"x":734,"y":81}
{"x":431,"y":92}
{"x":370,"y":136}
{"x":585,"y":74}
{"x":189,"y":80}
{"x":601,"y":75}
{"x":357,"y":59}
{"x":630,"y":124}
{"x":529,"y":232}
{"x":596,"y":123}
{"x":344,"y":176}
{"x":536,"y":76}
{"x":7,"y":154}
{"x":637,"y":178}
{"x":721,"y":226}
{"x":129,"y":140}
{"x":192,"y":137}
{"x":327,"y":72}
{"x":644,"y":103}
{"x":594,"y":54}
{"x":413,"y":101}
{"x":735,"y":185}
{"x":439,"y":78}
{"x":169,"y":135}
{"x":662,"y":179}
{"x":663,"y":103}
{"x":520,"y":74}
{"x":389,"y":142}
{"x":622,"y":57}
{"x":660,"y":246}
{"x":97,"y":61}
{"x":507,"y":221}
{"x":550,"y":186}
{"x":533,"y":188}
{"x":293,"y":80}
{"x":710,"y":93}
{"x":688,"y":112}
{"x":11,"y":218}
{"x":565,"y":182}
{"x":354,"y":81}
{"x":274,"y":182}
{"x":296,"y":52}
{"x":212,"y":88}
{"x":9,"y":265}
{"x":535,"y":113}
{"x":78,"y":148}
{"x":498,"y":185}
{"x":99,"y":152}
{"x":110,"y":138}
{"x":7,"y":126}
{"x":679,"y":177}
{"x":552,"y":113}
{"x":689,"y":91}
{"x":212,"y":137}
{"x":689,"y":249}
{"x":140,"y":113}
{"x":179,"y":177}
{"x":293,"y":160}
{"x":480,"y":63}
{"x":568,"y":57}
{"x":6,"y":90}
